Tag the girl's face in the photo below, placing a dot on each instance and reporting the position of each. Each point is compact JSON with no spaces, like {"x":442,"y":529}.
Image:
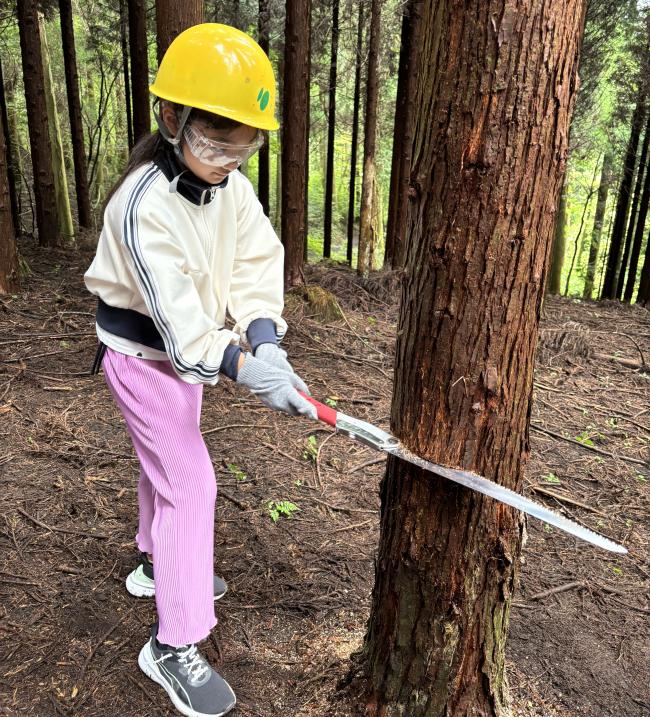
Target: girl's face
{"x":242,"y":135}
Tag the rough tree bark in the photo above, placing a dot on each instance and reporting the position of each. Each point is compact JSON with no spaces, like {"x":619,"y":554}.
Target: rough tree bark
{"x":74,"y":109}
{"x":643,"y":295}
{"x":139,"y":68}
{"x":39,"y":133}
{"x":489,"y":154}
{"x":368,"y":228}
{"x":8,"y":251}
{"x":172,"y":18}
{"x":295,"y":138}
{"x":601,"y":205}
{"x":352,"y":198}
{"x":559,"y":246}
{"x":402,"y":136}
{"x":331,"y":123}
{"x":623,"y":203}
{"x":264,"y":157}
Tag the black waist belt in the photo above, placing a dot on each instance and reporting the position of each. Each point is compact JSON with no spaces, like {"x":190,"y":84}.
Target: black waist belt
{"x":129,"y":324}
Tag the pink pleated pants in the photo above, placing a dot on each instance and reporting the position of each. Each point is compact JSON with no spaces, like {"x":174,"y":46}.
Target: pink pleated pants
{"x":176,"y":492}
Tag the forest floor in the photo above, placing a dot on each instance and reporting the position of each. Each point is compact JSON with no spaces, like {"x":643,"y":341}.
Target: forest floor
{"x":299,"y":588}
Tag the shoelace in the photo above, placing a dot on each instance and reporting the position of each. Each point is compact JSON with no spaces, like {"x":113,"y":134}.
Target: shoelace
{"x":192,"y":660}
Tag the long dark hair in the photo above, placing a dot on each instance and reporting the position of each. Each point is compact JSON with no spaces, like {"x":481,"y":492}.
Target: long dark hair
{"x":148,"y":146}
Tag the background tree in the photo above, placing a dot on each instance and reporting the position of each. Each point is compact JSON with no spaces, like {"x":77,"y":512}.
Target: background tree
{"x":41,"y":151}
{"x":331,"y":122}
{"x":368,"y":225}
{"x":74,"y":109}
{"x":174,"y":17}
{"x":8,"y":251}
{"x":9,"y":156}
{"x":603,"y":191}
{"x":559,"y":246}
{"x":479,"y":231}
{"x":264,"y":167}
{"x":295,"y":138}
{"x":139,"y":68}
{"x":402,"y":136}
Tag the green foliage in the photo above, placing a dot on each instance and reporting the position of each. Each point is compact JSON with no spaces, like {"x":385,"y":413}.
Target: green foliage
{"x":551,"y":478}
{"x":311,"y":449}
{"x":276,"y":509}
{"x":234,"y":470}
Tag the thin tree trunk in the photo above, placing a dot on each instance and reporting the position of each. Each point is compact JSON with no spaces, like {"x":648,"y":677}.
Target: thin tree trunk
{"x":402,"y":136}
{"x":15,"y":149}
{"x":124,"y":45}
{"x":172,"y":18}
{"x":39,"y":134}
{"x":8,"y":250}
{"x":74,"y":108}
{"x":580,"y":228}
{"x":331,"y":123}
{"x":622,"y":205}
{"x":295,"y":138}
{"x":64,"y":211}
{"x":640,"y":177}
{"x":638,"y":237}
{"x":480,"y":234}
{"x":263,"y":166}
{"x":559,"y":246}
{"x":139,"y":68}
{"x":367,"y":237}
{"x":352,"y":197}
{"x":601,"y":205}
{"x":8,"y":157}
{"x":643,"y":295}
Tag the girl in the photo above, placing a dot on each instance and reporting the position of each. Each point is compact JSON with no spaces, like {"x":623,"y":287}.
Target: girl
{"x":185,"y":240}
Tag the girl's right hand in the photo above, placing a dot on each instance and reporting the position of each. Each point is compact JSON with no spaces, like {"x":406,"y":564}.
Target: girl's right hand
{"x":276,"y":388}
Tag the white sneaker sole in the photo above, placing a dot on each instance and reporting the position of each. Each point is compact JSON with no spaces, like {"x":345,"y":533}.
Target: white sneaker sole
{"x":148,"y":666}
{"x":137,"y":589}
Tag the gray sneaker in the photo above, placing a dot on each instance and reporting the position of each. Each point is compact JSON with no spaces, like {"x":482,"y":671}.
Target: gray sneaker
{"x":140,"y":582}
{"x":193,"y":686}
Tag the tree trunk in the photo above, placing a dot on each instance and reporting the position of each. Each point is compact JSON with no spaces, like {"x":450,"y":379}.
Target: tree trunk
{"x":622,"y":205}
{"x":352,"y":201}
{"x":39,"y":136}
{"x":172,"y":18}
{"x":643,"y":295}
{"x":74,"y":108}
{"x":402,"y":136}
{"x":601,"y":205}
{"x":638,"y":238}
{"x":559,"y":246}
{"x":263,"y":166}
{"x":8,"y":251}
{"x":640,"y":177}
{"x":139,"y":68}
{"x":367,"y":237}
{"x":331,"y":125}
{"x":480,"y":234}
{"x":9,"y":158}
{"x":15,"y":147}
{"x":64,"y":211}
{"x":295,"y":138}
{"x":124,"y":45}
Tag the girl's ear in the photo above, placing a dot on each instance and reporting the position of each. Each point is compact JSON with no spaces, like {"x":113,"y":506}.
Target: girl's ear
{"x":169,"y":118}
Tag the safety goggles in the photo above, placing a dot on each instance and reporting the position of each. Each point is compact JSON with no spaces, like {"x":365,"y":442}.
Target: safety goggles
{"x":219,"y":154}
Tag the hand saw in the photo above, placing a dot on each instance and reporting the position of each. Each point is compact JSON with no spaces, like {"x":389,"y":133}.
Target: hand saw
{"x":380,"y":440}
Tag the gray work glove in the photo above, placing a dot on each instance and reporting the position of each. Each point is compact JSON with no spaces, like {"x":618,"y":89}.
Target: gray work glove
{"x":276,"y":388}
{"x":275,"y":356}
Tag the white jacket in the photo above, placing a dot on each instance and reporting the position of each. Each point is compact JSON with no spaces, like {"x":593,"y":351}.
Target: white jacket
{"x":186,"y":265}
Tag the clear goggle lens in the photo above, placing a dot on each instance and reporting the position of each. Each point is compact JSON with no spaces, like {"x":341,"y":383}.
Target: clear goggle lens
{"x":219,"y":154}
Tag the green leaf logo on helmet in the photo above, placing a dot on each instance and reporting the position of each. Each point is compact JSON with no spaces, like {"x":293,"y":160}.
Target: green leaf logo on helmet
{"x":263,"y":98}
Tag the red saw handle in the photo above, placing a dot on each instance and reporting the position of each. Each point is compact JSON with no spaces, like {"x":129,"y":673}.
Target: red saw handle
{"x":325,"y":413}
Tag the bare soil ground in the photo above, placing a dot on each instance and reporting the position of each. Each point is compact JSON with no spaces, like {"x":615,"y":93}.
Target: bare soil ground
{"x":299,"y":588}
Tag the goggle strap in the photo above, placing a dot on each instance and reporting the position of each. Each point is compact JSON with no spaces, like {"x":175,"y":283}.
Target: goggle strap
{"x":162,"y":127}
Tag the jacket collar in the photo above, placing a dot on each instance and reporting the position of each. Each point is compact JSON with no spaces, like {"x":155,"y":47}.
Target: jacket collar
{"x":187,"y":184}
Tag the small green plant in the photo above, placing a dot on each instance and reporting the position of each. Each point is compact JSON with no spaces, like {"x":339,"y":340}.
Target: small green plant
{"x":584,"y":438}
{"x":613,"y":422}
{"x":297,"y":483}
{"x":551,"y":478}
{"x":372,"y":321}
{"x":641,"y":478}
{"x":64,"y":344}
{"x":282,"y":507}
{"x":331,"y":401}
{"x":547,"y":528}
{"x":311,"y":449}
{"x":617,"y":571}
{"x":236,"y":471}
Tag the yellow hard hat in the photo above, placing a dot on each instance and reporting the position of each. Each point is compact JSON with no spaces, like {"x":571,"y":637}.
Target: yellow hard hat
{"x":222,"y":70}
